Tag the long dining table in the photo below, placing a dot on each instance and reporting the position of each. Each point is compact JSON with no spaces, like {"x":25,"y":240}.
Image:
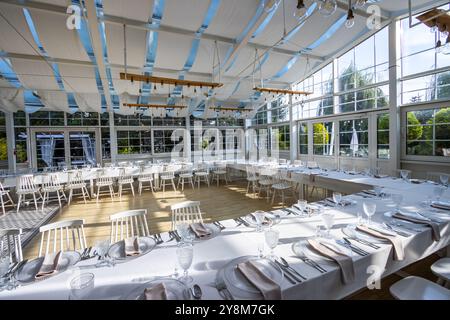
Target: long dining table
{"x":238,"y":240}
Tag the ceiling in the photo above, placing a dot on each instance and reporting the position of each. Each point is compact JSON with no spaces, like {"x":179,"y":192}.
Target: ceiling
{"x":46,"y":66}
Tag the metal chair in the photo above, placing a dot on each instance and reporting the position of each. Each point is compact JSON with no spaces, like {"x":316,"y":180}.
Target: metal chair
{"x":129,"y":224}
{"x":26,"y":186}
{"x":11,"y":243}
{"x":9,"y":201}
{"x":186,"y":175}
{"x":70,"y":233}
{"x":75,"y":182}
{"x":123,"y":180}
{"x":186,"y":212}
{"x":51,"y":184}
{"x":104,"y":181}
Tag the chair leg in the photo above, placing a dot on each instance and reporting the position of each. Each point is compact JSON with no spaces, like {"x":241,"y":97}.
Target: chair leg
{"x":59,"y":198}
{"x":35,"y":201}
{"x":192,"y":183}
{"x":111,"y":192}
{"x":98,"y":193}
{"x":132,"y":188}
{"x":18,"y":202}
{"x":248,"y":185}
{"x":173,"y":185}
{"x":273,"y":196}
{"x":140,"y":188}
{"x":84,"y":189}
{"x":120,"y":192}
{"x":3,"y":209}
{"x":43,"y":200}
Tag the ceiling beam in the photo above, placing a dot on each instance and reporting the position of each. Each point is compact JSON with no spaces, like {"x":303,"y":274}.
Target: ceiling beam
{"x":343,"y":5}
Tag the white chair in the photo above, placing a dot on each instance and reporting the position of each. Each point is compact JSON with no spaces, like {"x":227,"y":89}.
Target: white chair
{"x":129,"y":224}
{"x":282,"y":185}
{"x":9,"y":201}
{"x":146,"y":175}
{"x":71,"y":236}
{"x":51,"y":184}
{"x":266,"y":180}
{"x":416,"y":288}
{"x":252,"y":178}
{"x":441,"y":269}
{"x":220,"y":172}
{"x":201,"y":173}
{"x":11,"y":243}
{"x":26,"y":186}
{"x":104,"y":181}
{"x":186,"y":176}
{"x":168,"y":176}
{"x":75,"y":182}
{"x":124,"y":180}
{"x":312,"y":165}
{"x":186,"y":212}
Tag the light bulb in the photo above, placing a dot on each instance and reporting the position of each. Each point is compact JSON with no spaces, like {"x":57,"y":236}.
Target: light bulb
{"x":350,"y":19}
{"x":301,"y":9}
{"x":439,"y":46}
{"x":327,"y":7}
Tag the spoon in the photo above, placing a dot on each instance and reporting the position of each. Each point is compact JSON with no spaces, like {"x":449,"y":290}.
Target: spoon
{"x":196,"y":292}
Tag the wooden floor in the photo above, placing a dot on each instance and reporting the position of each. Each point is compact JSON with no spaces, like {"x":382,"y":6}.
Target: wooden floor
{"x":222,"y":202}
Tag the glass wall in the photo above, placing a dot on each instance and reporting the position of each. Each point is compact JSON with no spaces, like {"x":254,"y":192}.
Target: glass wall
{"x":354,"y":138}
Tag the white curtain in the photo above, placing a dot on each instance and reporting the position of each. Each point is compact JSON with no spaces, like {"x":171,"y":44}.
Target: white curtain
{"x":47,"y":150}
{"x":354,"y":144}
{"x":89,"y":149}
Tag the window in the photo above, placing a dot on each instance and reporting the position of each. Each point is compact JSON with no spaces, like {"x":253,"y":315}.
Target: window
{"x":261,"y":116}
{"x":383,"y":136}
{"x":354,"y":138}
{"x":134,"y":142}
{"x":85,"y":119}
{"x":47,"y":118}
{"x":428,"y":132}
{"x":132,"y":120}
{"x":106,"y":143}
{"x":21,"y":145}
{"x":169,"y":122}
{"x":280,"y":114}
{"x":303,"y":138}
{"x":20,"y":118}
{"x":3,"y":140}
{"x":323,"y":138}
{"x":282,"y":135}
{"x":163,"y":141}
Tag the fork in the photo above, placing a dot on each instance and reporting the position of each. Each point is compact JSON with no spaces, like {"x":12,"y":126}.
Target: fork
{"x":311,"y":263}
{"x":222,"y":288}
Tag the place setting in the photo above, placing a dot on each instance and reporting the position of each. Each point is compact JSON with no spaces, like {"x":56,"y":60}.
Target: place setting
{"x":197,"y":231}
{"x":125,"y":250}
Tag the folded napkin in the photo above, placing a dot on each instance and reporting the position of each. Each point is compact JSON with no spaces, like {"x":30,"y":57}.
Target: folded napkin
{"x":132,"y":246}
{"x":200,"y":230}
{"x":441,"y":205}
{"x":345,"y":262}
{"x":157,"y":292}
{"x":434,"y":226}
{"x":49,"y":265}
{"x":268,"y":288}
{"x":399,"y":252}
{"x":381,"y":176}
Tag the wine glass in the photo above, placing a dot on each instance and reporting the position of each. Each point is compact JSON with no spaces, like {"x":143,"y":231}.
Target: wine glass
{"x":397,"y":199}
{"x":337,"y":198}
{"x":185,"y":254}
{"x":444,"y":180}
{"x":328,"y":221}
{"x":438,"y":191}
{"x":404,"y":174}
{"x":81,"y":286}
{"x":369,"y":210}
{"x":259,"y":216}
{"x":101,"y":249}
{"x":302,"y":205}
{"x":183,"y":230}
{"x":378,"y":191}
{"x":271,"y":235}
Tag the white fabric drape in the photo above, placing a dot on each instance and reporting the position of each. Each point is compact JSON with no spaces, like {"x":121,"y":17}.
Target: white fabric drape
{"x":89,"y":149}
{"x":47,"y":150}
{"x":354,"y":144}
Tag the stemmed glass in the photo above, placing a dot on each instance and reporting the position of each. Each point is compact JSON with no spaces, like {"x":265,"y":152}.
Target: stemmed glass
{"x":378,"y":191}
{"x":101,"y":249}
{"x":328,"y":221}
{"x":438,"y":192}
{"x":444,"y":180}
{"x":271,"y":235}
{"x":369,"y":210}
{"x":397,"y":199}
{"x":302,"y":205}
{"x":183,"y":230}
{"x":405,"y":175}
{"x":337,"y":198}
{"x":185,"y":255}
{"x":259,"y":216}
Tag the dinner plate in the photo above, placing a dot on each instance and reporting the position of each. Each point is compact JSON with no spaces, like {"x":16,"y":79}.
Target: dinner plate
{"x":27,"y":272}
{"x":239,"y":286}
{"x":215,"y":231}
{"x":175,"y":289}
{"x":352,"y":232}
{"x":117,"y":250}
{"x":304,"y":247}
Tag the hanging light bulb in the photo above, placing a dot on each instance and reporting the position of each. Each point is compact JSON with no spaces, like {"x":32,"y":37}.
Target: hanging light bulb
{"x":439,"y":46}
{"x":446,"y":48}
{"x":350,"y":16}
{"x":360,"y":3}
{"x":327,"y":7}
{"x":301,"y":9}
{"x":434,"y":27}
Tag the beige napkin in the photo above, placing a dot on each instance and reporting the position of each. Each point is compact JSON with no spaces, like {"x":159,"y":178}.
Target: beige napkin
{"x":399,"y":253}
{"x":200,"y":230}
{"x":132,"y":246}
{"x":157,"y":292}
{"x":434,"y":226}
{"x":49,"y":265}
{"x":441,"y":205}
{"x":345,"y":262}
{"x":269,"y":289}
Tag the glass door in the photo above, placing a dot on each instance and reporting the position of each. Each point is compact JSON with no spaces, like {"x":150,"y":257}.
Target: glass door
{"x":50,"y":151}
{"x":82,"y":148}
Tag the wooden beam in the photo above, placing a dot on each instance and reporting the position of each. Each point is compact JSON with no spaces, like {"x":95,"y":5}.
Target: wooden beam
{"x":282,"y":91}
{"x":436,"y":17}
{"x":142,"y":105}
{"x":174,"y":81}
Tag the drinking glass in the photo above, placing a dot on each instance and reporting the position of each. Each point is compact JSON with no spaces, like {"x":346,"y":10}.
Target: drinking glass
{"x":404,"y":174}
{"x":397,"y":199}
{"x":337,"y":198}
{"x":101,"y":249}
{"x":328,"y":221}
{"x":185,"y":254}
{"x":81,"y":286}
{"x":369,"y":210}
{"x":438,"y":191}
{"x":444,"y":180}
{"x":302,"y":205}
{"x":259,"y":216}
{"x":378,"y":191}
{"x":272,"y":236}
{"x":183,"y":230}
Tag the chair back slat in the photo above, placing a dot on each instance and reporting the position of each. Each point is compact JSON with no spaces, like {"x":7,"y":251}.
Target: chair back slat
{"x":186,"y":212}
{"x":12,"y":244}
{"x":72,"y":234}
{"x":129,"y":224}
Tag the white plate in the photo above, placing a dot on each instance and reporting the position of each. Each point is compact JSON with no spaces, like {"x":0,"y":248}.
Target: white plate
{"x":117,"y":250}
{"x":175,"y":290}
{"x":351,"y":231}
{"x":304,"y":248}
{"x":239,"y":286}
{"x":27,"y":272}
{"x":215,"y":231}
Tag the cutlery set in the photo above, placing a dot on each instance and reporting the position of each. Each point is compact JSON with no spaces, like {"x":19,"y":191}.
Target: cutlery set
{"x":290,"y":273}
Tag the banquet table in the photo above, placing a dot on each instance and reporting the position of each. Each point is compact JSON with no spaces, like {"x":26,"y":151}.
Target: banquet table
{"x":235,"y":241}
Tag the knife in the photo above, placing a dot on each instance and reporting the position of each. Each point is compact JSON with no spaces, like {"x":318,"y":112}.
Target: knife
{"x":288,"y":274}
{"x":291,"y":211}
{"x":367,"y":243}
{"x":400,"y":232}
{"x":354,"y":248}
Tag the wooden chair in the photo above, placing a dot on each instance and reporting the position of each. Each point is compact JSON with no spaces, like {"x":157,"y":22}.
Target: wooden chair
{"x":75,"y":182}
{"x":146,"y":175}
{"x":70,"y":232}
{"x":129,"y":224}
{"x":186,"y":175}
{"x":168,"y":176}
{"x":8,"y":202}
{"x":416,"y":288}
{"x":219,"y":172}
{"x":201,"y":173}
{"x":104,"y":181}
{"x":186,"y":212}
{"x":124,"y":180}
{"x":26,"y":186}
{"x":12,"y":244}
{"x":51,"y":184}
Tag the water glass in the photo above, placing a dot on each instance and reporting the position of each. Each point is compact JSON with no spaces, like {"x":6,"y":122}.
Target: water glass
{"x":397,"y":199}
{"x":259,"y":216}
{"x":101,"y":249}
{"x":369,"y":210}
{"x":185,"y":255}
{"x":337,"y":198}
{"x":183,"y":230}
{"x":444,"y":180}
{"x":271,"y":235}
{"x":82,"y":286}
{"x":302,"y":205}
{"x":438,"y":191}
{"x":328,"y":221}
{"x":378,"y":191}
{"x":405,"y":175}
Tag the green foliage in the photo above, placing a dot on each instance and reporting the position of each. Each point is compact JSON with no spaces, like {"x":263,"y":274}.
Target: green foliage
{"x":321,"y":134}
{"x":3,"y":149}
{"x":415,"y":130}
